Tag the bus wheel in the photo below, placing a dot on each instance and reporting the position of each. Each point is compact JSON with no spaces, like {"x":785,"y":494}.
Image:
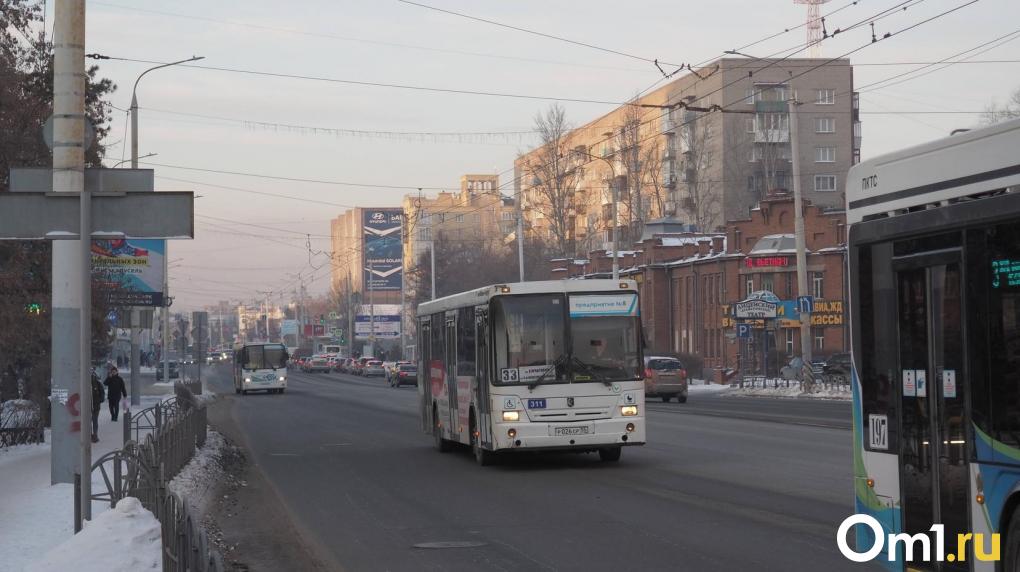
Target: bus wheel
{"x":610,"y":454}
{"x":1011,"y":561}
{"x":442,"y":445}
{"x":482,"y":457}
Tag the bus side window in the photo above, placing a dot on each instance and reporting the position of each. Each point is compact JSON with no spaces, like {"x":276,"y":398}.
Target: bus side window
{"x":876,"y":348}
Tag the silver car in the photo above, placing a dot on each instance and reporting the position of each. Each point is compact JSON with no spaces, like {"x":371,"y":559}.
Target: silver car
{"x":373,"y":367}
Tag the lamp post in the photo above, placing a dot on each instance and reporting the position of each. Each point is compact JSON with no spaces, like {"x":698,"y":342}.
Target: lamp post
{"x":134,"y":165}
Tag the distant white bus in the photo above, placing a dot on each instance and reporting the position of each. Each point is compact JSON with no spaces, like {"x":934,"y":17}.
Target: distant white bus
{"x":531,"y":366}
{"x":260,"y":366}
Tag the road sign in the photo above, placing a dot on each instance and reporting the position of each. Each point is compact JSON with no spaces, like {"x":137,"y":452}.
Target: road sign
{"x":333,"y":315}
{"x":755,"y":309}
{"x":805,"y":304}
{"x":743,"y":330}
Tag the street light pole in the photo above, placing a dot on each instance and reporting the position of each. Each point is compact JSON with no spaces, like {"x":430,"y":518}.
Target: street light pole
{"x":135,"y":382}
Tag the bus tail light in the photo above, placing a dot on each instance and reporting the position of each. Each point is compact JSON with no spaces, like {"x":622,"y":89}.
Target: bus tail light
{"x":628,"y":410}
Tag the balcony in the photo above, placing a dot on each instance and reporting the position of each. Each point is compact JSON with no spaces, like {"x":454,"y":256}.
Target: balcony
{"x":781,"y":135}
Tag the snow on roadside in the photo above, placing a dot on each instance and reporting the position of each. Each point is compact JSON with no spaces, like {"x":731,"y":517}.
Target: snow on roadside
{"x":197,"y":481}
{"x":789,"y":392}
{"x":124,"y":539}
{"x":707,"y":388}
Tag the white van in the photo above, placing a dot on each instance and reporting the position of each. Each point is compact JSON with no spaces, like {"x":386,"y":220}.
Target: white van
{"x":260,"y":367}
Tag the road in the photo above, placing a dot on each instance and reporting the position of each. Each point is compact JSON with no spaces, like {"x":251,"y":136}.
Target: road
{"x":724,"y":484}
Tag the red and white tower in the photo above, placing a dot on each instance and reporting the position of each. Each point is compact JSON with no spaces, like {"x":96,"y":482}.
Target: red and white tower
{"x":814,"y":25}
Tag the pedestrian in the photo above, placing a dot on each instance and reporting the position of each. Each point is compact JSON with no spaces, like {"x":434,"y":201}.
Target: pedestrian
{"x":115,"y":390}
{"x":97,"y":399}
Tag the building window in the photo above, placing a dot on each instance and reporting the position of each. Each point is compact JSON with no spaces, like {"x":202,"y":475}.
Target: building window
{"x":767,"y":282}
{"x":749,"y":96}
{"x":818,"y":285}
{"x":825,"y":154}
{"x":750,"y":286}
{"x":749,"y":124}
{"x":819,"y":335}
{"x":790,"y":278}
{"x":825,"y":125}
{"x":825,"y":97}
{"x":825,"y":182}
{"x":459,"y":218}
{"x":789,"y":340}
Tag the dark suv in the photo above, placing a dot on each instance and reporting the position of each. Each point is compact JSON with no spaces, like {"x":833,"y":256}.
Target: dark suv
{"x":837,"y":364}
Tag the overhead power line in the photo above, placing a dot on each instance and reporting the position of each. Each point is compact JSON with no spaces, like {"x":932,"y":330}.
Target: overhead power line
{"x":365,"y":83}
{"x":295,"y":179}
{"x":323,"y":35}
{"x":540,"y":34}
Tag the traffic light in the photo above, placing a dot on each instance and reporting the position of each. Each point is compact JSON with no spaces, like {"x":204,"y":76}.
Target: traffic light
{"x":34,"y":308}
{"x":322,"y":318}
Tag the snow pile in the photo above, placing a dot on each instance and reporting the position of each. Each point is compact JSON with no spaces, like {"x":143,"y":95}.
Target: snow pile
{"x":126,"y":538}
{"x":793,"y":391}
{"x":198,"y":479}
{"x":19,"y":414}
{"x":707,"y":388}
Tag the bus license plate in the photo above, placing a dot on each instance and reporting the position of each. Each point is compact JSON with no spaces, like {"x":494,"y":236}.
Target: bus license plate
{"x":573,"y":430}
{"x":536,"y":404}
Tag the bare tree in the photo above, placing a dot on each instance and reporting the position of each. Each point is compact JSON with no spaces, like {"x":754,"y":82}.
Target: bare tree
{"x":1011,"y":110}
{"x":552,"y":176}
{"x":632,"y":159}
{"x":652,"y":180}
{"x":701,"y":200}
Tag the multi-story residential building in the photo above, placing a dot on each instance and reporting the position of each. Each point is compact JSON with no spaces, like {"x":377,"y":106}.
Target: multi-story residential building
{"x":704,"y":148}
{"x":478,"y":213}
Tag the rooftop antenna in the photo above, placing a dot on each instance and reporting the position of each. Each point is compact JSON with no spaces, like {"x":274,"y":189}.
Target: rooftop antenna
{"x":815,"y":26}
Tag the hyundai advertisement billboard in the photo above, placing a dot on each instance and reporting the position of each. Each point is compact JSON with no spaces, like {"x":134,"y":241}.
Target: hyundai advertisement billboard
{"x":383,"y":252}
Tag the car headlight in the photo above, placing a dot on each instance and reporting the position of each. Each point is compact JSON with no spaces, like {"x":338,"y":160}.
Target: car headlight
{"x":283,"y":378}
{"x":628,"y":410}
{"x":511,"y":415}
{"x":247,"y":380}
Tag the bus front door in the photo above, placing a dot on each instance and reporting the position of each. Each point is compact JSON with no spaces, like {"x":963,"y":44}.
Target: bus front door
{"x":934,"y":475}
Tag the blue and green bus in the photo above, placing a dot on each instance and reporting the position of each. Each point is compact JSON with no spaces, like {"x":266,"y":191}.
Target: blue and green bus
{"x":934,"y":272}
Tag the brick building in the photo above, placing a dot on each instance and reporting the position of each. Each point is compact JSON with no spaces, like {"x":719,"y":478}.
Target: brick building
{"x":689,"y":282}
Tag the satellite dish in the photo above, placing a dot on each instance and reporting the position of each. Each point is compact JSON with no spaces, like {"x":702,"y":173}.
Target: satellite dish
{"x":47,"y":132}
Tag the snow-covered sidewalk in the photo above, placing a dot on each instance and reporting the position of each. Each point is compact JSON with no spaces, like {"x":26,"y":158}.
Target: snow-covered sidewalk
{"x":35,"y":516}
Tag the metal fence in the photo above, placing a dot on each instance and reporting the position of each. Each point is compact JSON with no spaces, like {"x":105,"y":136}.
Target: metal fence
{"x":158,"y":442}
{"x":21,"y":423}
{"x":832,"y":382}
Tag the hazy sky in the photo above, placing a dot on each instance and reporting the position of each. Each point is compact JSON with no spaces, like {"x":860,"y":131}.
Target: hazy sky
{"x":391,"y":42}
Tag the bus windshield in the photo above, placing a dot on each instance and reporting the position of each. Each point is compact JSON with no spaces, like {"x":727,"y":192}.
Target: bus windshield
{"x":604,"y":333}
{"x":531,"y":334}
{"x":264,"y":357}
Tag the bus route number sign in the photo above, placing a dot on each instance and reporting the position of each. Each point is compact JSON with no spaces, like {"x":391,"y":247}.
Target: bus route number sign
{"x":509,"y":375}
{"x":879,"y":432}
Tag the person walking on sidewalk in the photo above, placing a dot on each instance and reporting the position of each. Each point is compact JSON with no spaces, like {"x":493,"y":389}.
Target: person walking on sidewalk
{"x":97,"y":400}
{"x":115,"y":391}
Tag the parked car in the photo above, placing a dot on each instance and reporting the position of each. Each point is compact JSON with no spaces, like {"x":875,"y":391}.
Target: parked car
{"x":373,"y":368}
{"x":316,"y":364}
{"x":405,"y":373}
{"x":175,"y":371}
{"x":665,"y":377}
{"x":837,"y":364}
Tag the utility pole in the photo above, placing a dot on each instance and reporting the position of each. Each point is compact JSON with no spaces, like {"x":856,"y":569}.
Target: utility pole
{"x":520,"y":235}
{"x":802,"y":281}
{"x":371,"y":309}
{"x":615,"y":229}
{"x":432,"y":261}
{"x":72,"y":385}
{"x":350,"y":315}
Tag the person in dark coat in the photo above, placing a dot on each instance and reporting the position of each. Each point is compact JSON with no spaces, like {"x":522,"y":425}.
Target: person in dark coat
{"x":97,"y":399}
{"x":115,"y":390}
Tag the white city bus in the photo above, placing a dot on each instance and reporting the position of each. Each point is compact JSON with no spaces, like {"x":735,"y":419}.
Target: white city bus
{"x":934,"y":255}
{"x":533,"y":366}
{"x":260,"y":366}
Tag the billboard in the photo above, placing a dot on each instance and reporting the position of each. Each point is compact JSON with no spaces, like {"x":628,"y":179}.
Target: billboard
{"x":387,"y":321}
{"x":382,"y":251}
{"x":129,"y":271}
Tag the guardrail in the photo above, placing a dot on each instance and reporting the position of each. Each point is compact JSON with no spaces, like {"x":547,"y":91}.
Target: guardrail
{"x":158,"y":442}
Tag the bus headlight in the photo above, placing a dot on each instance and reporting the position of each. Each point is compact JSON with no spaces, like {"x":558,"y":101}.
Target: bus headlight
{"x":511,"y":415}
{"x":628,"y":410}
{"x":283,"y":378}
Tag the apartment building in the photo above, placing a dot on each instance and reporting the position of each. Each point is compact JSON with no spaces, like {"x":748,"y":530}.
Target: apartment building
{"x":478,"y":213}
{"x":702,"y":149}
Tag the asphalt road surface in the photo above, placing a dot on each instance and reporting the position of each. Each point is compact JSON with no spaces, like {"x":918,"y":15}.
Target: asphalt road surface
{"x":725,"y":483}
